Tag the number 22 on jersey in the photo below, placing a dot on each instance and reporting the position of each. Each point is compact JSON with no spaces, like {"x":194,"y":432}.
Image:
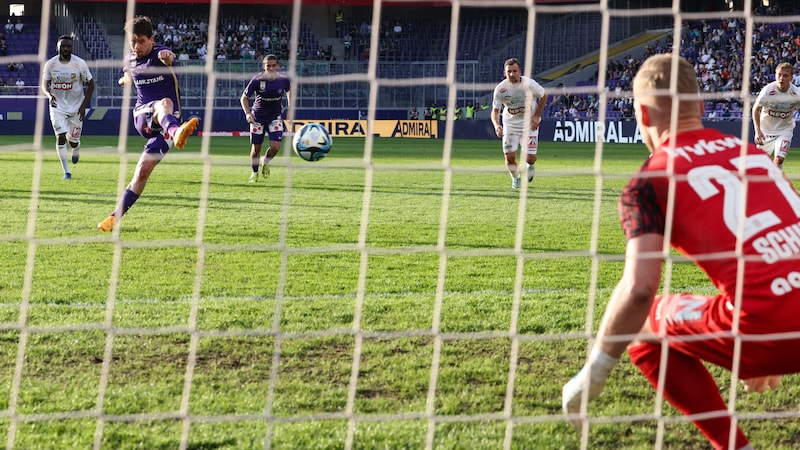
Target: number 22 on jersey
{"x":700,"y":179}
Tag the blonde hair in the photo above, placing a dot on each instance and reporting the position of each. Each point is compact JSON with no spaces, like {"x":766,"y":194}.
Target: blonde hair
{"x":652,"y":84}
{"x":784,"y":66}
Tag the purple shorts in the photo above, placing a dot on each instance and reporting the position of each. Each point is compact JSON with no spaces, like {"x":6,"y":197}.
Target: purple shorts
{"x":150,"y":129}
{"x":272,"y":127}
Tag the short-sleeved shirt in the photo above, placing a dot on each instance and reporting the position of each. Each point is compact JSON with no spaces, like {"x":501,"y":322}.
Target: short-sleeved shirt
{"x":777,"y":108}
{"x":268,"y":96}
{"x":708,"y":217}
{"x":66,"y":82}
{"x":153,"y":80}
{"x":513,"y":98}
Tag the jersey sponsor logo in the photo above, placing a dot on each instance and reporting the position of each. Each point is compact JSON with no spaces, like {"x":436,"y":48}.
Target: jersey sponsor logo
{"x":62,"y":85}
{"x":145,"y":81}
{"x":785,"y":284}
{"x":703,"y":147}
{"x":779,"y":114}
{"x":517,"y":110}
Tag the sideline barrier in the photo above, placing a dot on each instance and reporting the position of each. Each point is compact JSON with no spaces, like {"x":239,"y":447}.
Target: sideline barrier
{"x":18,"y":117}
{"x":416,"y":129}
{"x":622,"y":132}
{"x":613,"y":131}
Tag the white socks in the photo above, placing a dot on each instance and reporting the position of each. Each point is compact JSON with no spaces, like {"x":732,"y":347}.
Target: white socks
{"x":513,"y":170}
{"x":62,"y":155}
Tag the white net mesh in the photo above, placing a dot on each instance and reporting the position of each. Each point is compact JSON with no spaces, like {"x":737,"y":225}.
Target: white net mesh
{"x":210,"y":336}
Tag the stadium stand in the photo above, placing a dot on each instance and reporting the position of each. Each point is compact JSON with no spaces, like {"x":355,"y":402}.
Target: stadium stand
{"x":25,"y":43}
{"x":414,"y":45}
{"x":94,"y":36}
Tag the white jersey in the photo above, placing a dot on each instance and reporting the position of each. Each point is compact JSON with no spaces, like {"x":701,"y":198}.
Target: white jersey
{"x":777,"y":108}
{"x":66,"y":82}
{"x":512,"y":96}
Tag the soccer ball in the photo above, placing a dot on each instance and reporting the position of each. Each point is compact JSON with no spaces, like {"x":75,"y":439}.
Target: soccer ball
{"x":312,"y":142}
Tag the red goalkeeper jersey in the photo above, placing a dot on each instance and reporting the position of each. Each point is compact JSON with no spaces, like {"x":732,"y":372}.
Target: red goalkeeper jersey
{"x":723,"y":196}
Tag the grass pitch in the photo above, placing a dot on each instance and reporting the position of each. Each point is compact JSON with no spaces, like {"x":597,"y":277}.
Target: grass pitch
{"x":374,"y":299}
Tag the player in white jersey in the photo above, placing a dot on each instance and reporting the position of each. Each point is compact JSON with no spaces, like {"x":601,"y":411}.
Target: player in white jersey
{"x":773,"y":114}
{"x":63,"y":79}
{"x":516,"y":96}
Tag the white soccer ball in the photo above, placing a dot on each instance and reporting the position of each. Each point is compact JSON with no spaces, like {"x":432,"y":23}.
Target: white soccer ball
{"x":312,"y":142}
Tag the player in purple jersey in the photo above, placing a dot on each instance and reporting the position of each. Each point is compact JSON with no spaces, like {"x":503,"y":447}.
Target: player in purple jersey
{"x":157,"y":111}
{"x":268,"y":88}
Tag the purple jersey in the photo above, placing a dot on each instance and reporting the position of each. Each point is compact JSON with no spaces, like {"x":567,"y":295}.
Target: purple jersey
{"x":268,"y":103}
{"x":153,"y":80}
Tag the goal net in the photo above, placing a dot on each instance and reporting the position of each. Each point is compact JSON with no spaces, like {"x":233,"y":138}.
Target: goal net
{"x":398,"y":293}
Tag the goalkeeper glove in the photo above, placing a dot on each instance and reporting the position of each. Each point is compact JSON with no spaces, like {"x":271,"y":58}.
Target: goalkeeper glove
{"x":593,"y":377}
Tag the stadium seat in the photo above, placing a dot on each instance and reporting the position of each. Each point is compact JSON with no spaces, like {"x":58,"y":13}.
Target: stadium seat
{"x":27,"y":43}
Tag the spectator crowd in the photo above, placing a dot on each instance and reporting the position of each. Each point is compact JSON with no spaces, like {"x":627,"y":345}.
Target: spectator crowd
{"x":12,"y":82}
{"x":714,"y":47}
{"x":252,"y":38}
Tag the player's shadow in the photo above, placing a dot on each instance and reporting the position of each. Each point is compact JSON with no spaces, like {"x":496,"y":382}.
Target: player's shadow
{"x":209,"y":445}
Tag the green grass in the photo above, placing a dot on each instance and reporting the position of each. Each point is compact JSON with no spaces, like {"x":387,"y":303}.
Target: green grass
{"x":264,"y":292}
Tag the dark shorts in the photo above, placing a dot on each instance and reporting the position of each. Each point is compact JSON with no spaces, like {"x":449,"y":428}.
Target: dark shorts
{"x":150,"y":129}
{"x":270,"y":126}
{"x":143,"y":120}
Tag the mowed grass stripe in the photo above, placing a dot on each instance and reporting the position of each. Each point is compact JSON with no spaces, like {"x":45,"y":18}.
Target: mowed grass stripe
{"x":310,"y":214}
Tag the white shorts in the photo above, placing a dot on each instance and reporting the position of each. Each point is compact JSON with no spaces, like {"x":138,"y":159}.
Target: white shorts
{"x":66,"y":123}
{"x":511,"y":142}
{"x":777,"y":144}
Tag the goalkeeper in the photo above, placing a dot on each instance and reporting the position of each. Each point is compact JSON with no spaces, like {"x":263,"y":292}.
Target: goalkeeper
{"x":705,"y":193}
